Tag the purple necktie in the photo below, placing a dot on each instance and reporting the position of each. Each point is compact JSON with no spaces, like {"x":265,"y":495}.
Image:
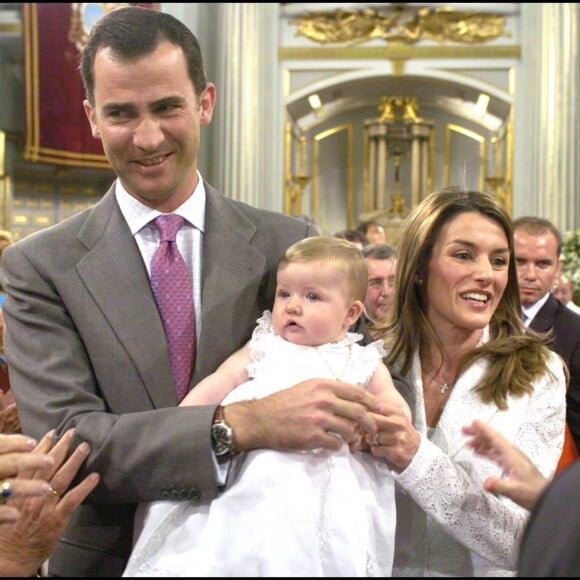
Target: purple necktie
{"x":172,"y":289}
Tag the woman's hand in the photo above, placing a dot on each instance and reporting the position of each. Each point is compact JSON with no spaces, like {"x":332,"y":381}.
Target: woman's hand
{"x":395,"y":439}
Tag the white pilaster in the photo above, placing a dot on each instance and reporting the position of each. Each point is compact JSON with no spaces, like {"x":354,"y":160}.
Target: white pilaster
{"x":547,"y":128}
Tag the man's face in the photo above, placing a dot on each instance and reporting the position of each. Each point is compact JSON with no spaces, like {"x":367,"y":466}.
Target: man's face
{"x":381,"y":284}
{"x":563,"y":290}
{"x":148,"y":117}
{"x":537,"y":264}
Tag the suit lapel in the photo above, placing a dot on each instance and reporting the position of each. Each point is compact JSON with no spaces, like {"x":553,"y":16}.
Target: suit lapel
{"x":232,"y":273}
{"x":122,"y":291}
{"x":544,"y":319}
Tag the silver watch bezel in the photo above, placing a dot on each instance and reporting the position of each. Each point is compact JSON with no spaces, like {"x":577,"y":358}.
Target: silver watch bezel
{"x":222,"y":438}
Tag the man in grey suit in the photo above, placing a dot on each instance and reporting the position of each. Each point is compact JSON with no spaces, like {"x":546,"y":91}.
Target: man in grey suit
{"x":85,"y":341}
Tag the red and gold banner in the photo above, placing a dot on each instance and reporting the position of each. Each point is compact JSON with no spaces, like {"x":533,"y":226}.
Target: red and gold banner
{"x":57,"y":130}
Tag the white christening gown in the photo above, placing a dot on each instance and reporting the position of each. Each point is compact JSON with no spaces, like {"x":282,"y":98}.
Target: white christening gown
{"x":307,"y":513}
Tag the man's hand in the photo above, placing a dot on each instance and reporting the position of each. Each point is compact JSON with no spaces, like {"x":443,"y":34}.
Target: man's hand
{"x":314,"y":414}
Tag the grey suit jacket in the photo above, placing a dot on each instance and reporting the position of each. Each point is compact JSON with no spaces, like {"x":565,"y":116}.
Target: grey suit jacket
{"x":86,"y":349}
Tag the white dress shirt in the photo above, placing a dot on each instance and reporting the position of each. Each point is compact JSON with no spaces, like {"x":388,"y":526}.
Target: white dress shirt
{"x":532,"y":310}
{"x":189,"y":238}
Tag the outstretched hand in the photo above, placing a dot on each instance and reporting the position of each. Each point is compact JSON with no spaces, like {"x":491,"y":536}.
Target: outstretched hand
{"x":522,"y":481}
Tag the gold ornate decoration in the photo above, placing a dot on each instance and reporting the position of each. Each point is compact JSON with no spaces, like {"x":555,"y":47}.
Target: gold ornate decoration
{"x":397,"y":208}
{"x":295,"y":187}
{"x":496,"y":184}
{"x":402,"y":108}
{"x":296,"y":182}
{"x":84,"y":15}
{"x":401,"y":23}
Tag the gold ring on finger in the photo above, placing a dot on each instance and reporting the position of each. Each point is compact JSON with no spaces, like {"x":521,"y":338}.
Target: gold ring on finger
{"x":53,"y":492}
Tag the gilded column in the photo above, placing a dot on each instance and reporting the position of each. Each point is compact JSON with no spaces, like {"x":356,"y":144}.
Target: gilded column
{"x":381,"y":186}
{"x":372,"y":171}
{"x":415,"y":168}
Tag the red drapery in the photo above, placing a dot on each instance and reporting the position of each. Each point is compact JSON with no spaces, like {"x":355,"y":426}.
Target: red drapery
{"x":57,"y":130}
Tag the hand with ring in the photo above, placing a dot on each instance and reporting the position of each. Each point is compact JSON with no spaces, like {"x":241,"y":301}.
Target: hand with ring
{"x":16,"y":457}
{"x":29,"y":541}
{"x":395,"y":439}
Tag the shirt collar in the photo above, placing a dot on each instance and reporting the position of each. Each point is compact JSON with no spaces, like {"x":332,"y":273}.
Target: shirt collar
{"x":137,"y":215}
{"x":532,"y":310}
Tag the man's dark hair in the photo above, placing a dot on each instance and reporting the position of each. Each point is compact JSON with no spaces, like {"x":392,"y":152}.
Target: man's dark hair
{"x":364,"y":226}
{"x":352,"y":235}
{"x":132,"y":32}
{"x":379,"y":251}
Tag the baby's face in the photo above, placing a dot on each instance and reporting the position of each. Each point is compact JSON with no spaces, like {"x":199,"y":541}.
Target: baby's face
{"x":311,"y":306}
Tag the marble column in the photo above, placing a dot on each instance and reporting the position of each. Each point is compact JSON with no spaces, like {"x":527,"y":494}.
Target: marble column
{"x":547,"y":128}
{"x":243,"y":148}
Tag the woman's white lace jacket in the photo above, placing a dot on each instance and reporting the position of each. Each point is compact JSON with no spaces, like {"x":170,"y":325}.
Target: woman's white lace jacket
{"x":471,"y":531}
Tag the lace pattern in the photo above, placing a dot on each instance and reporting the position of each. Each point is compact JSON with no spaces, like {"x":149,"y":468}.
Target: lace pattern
{"x":264,"y":340}
{"x":470,"y":531}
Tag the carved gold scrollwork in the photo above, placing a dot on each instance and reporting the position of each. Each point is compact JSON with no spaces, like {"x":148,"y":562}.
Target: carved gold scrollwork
{"x":294,"y":191}
{"x":403,"y":108}
{"x":402,"y":23}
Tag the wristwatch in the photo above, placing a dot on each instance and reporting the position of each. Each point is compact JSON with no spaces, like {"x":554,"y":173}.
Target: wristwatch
{"x":222,"y":436}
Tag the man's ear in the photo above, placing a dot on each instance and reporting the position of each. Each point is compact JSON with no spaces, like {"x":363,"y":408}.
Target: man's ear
{"x":89,"y":112}
{"x":207,"y":104}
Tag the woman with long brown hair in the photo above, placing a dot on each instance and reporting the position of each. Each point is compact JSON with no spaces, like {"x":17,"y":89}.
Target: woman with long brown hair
{"x":456,"y":335}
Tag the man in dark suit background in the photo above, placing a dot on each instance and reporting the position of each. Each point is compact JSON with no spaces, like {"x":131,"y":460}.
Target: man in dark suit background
{"x":85,"y":341}
{"x":538,"y":246}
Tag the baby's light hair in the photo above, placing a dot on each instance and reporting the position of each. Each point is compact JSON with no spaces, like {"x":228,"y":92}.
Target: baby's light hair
{"x":335,"y":253}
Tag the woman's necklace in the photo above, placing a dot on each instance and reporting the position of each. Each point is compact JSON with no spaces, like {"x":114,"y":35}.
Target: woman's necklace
{"x":444,"y":387}
{"x":337,"y":377}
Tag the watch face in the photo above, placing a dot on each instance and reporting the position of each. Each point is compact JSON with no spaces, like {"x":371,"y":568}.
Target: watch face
{"x":222,"y":439}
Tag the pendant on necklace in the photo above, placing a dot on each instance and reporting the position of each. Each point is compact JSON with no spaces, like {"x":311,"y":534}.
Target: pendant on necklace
{"x":443,"y":388}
